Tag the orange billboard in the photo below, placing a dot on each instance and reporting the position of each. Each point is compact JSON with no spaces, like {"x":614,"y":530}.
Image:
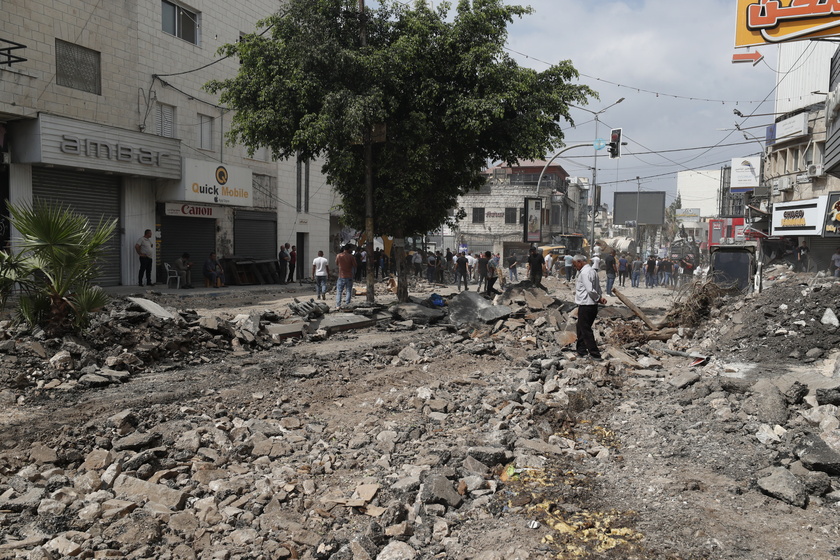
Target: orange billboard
{"x":763,"y":22}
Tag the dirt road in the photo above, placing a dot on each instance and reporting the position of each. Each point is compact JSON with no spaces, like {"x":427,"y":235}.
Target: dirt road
{"x":473,"y":446}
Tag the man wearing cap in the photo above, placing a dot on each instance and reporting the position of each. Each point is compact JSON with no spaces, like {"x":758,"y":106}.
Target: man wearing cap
{"x":587,"y":297}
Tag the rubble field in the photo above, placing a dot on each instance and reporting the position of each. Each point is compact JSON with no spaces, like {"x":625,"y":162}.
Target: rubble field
{"x":265,"y":426}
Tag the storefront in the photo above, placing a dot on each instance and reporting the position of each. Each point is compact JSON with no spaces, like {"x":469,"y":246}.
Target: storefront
{"x":101,"y":172}
{"x":210,"y":209}
{"x":814,"y":221}
{"x":187,"y":228}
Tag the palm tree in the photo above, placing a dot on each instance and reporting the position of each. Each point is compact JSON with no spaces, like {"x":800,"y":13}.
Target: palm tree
{"x":63,"y":249}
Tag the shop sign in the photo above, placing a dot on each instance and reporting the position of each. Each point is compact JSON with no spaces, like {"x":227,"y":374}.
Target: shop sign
{"x":55,"y":140}
{"x":189,"y":210}
{"x":211,"y":182}
{"x":788,"y":129}
{"x":767,"y":22}
{"x":495,"y":215}
{"x":746,"y":174}
{"x":832,"y":216}
{"x":801,"y":217}
{"x":687,"y":214}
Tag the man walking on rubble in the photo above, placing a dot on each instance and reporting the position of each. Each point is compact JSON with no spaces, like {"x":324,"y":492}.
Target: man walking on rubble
{"x":587,"y":297}
{"x":346,"y":264}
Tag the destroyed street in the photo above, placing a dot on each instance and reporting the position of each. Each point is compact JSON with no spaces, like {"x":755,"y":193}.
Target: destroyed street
{"x":256,"y":424}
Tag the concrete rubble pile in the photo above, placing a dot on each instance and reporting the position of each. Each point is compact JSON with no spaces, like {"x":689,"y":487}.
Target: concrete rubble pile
{"x":424,"y":466}
{"x":775,"y":378}
{"x":263,"y":479}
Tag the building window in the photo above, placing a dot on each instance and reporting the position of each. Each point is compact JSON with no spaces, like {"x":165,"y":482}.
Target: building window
{"x":205,"y":132}
{"x":510,"y":215}
{"x":478,"y":215}
{"x":77,"y":67}
{"x":166,"y":120}
{"x":302,"y":184}
{"x":179,"y":21}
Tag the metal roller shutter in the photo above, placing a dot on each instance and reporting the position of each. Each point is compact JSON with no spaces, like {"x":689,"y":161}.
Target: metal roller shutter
{"x":95,"y":196}
{"x":196,"y":236}
{"x":821,"y":250}
{"x":255,"y":235}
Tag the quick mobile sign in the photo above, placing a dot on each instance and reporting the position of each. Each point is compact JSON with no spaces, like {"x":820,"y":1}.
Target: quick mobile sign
{"x":762,"y":22}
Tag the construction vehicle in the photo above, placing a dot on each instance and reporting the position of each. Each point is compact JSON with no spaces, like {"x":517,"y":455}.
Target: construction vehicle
{"x":736,"y":266}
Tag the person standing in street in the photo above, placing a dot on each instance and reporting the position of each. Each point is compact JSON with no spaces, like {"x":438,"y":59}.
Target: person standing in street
{"x":512,"y":265}
{"x":835,"y":262}
{"x":636,"y":271}
{"x":622,"y":269}
{"x":461,"y":272}
{"x":346,"y":264}
{"x":320,"y":272}
{"x":570,"y":269}
{"x":587,"y":297}
{"x":802,"y":258}
{"x":536,"y":267}
{"x":283,"y":258}
{"x":292,"y":264}
{"x":611,"y":268}
{"x":492,"y":274}
{"x":145,"y":248}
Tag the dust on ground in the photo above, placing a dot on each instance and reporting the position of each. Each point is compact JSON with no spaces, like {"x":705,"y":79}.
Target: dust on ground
{"x":603,"y":460}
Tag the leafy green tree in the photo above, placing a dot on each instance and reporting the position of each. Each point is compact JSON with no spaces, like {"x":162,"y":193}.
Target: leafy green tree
{"x":437,"y":96}
{"x":62,"y":250}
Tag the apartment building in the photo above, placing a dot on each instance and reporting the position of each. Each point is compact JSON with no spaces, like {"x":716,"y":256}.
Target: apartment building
{"x":102,"y":108}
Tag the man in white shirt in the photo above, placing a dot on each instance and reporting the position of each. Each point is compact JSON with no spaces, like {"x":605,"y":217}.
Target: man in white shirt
{"x":145,"y":248}
{"x":320,"y":271}
{"x":549,"y":262}
{"x":587,"y":297}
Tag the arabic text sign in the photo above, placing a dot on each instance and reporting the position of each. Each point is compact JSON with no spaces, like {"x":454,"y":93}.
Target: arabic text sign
{"x":762,"y":22}
{"x":746,"y":174}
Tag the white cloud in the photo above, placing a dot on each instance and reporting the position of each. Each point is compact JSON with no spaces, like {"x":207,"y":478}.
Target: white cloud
{"x":672,"y":47}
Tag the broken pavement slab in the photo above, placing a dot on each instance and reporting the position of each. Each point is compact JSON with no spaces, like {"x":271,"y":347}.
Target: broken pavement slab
{"x":152,"y":307}
{"x":337,"y":322}
{"x":418,"y":313}
{"x":470,"y":308}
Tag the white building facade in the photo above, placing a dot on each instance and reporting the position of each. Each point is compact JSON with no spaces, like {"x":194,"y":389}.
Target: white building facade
{"x":105,"y":112}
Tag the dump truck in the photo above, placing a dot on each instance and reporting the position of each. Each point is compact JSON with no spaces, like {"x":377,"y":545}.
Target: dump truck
{"x":736,"y":266}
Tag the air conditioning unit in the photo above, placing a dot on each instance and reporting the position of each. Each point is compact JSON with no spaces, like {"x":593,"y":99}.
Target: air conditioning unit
{"x":785,"y":184}
{"x":815,"y":170}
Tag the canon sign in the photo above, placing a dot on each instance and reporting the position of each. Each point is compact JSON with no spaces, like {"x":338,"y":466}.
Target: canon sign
{"x":191,"y":210}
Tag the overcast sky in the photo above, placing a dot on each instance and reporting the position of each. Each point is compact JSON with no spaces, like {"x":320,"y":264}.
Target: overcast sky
{"x":672,"y":62}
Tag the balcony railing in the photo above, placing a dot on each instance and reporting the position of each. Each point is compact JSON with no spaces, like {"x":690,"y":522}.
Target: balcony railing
{"x":6,"y":56}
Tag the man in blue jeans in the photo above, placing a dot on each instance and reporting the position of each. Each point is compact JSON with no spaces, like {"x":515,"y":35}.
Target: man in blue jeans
{"x":320,"y":271}
{"x":346,"y":264}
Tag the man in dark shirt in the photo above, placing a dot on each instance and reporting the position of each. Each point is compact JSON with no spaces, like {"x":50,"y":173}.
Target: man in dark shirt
{"x":611,"y":266}
{"x":512,"y":264}
{"x":536,"y":267}
{"x":461,"y":271}
{"x":482,"y":270}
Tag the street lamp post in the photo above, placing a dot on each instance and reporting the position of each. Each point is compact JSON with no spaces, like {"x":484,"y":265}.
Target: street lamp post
{"x":595,"y":172}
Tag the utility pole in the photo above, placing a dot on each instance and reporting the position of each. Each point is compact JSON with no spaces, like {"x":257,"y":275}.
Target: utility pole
{"x":368,"y":147}
{"x":638,"y":195}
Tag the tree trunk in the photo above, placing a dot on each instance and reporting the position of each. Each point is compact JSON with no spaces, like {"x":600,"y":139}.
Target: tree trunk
{"x":402,"y":271}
